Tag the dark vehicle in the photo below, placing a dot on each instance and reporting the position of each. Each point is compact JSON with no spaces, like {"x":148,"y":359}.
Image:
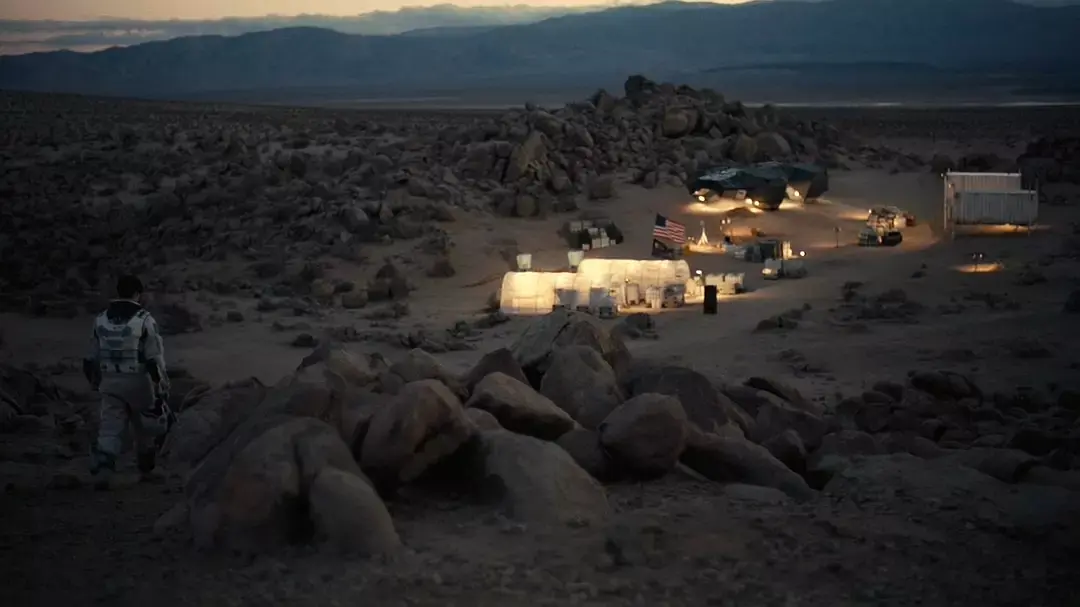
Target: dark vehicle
{"x":765,"y":185}
{"x":806,"y":182}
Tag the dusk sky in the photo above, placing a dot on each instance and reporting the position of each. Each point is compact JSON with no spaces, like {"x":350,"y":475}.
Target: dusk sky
{"x":213,"y":9}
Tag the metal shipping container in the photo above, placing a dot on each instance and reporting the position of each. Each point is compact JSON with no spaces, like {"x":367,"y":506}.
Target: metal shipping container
{"x":1020,"y":207}
{"x":982,"y":182}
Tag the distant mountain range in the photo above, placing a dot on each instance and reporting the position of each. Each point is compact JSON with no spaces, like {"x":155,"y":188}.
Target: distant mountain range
{"x":17,"y":37}
{"x":995,"y":43}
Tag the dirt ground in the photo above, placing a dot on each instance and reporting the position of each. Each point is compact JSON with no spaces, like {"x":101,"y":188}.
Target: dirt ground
{"x":889,"y":540}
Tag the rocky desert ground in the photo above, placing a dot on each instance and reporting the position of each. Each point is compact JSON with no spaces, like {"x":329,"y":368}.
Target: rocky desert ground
{"x":360,"y":424}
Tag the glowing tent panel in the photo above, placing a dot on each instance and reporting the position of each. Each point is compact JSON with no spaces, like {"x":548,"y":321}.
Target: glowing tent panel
{"x":613,"y":273}
{"x":528,"y":293}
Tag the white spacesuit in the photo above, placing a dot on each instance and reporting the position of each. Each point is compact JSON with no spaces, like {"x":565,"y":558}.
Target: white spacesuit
{"x":126,"y":364}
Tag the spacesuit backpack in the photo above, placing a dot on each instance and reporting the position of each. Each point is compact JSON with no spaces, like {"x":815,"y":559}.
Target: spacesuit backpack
{"x":120,"y":344}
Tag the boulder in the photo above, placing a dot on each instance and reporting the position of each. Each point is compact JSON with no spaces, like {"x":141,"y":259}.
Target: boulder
{"x":423,"y":424}
{"x":252,"y":493}
{"x":1006,"y":465}
{"x":646,"y":434}
{"x":582,"y":384}
{"x":501,"y":361}
{"x":483,"y":420}
{"x":519,"y":408}
{"x":729,"y":458}
{"x":772,"y":146}
{"x":788,"y":447}
{"x":419,"y":365}
{"x":584,"y":446}
{"x":357,"y":411}
{"x":945,"y":384}
{"x":208,"y":420}
{"x":848,"y":443}
{"x":750,"y":399}
{"x":773,"y":419}
{"x":347,"y":515}
{"x":705,"y":406}
{"x":678,"y":122}
{"x":533,"y":348}
{"x":536,"y":481}
{"x":786,"y":392}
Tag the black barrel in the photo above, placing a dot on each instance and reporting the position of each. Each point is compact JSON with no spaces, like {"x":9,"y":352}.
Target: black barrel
{"x":710,"y":306}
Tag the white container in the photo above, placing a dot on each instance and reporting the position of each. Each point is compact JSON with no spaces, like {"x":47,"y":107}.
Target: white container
{"x":732,"y":279}
{"x":654,"y":297}
{"x":1018,"y":207}
{"x":574,"y":258}
{"x":983,"y":182}
{"x":524,"y":262}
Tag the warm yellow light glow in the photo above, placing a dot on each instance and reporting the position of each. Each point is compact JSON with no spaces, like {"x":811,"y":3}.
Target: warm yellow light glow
{"x":852,"y":216}
{"x":998,"y":230}
{"x":704,"y":249}
{"x":988,"y":267}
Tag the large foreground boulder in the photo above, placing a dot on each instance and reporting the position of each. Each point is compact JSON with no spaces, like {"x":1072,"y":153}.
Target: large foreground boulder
{"x":519,"y":408}
{"x":535,"y":481}
{"x":729,"y":458}
{"x":321,"y":386}
{"x":357,"y":411}
{"x":705,"y":405}
{"x":581,"y":383}
{"x":206,"y":421}
{"x":496,"y":361}
{"x":420,"y":365}
{"x":282,"y":480}
{"x":646,"y":434}
{"x":534,"y":347}
{"x":424,"y":424}
{"x":584,"y":446}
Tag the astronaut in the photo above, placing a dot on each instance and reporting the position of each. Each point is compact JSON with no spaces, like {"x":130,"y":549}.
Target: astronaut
{"x":126,"y":365}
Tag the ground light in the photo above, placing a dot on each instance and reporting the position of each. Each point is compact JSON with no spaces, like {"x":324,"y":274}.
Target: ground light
{"x":980,"y":265}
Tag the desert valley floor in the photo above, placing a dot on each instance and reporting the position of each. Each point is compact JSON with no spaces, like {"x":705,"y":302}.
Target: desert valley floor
{"x":924,"y":407}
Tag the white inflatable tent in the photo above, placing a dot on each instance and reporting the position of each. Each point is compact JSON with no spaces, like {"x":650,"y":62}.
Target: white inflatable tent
{"x":613,"y":273}
{"x":529,"y":293}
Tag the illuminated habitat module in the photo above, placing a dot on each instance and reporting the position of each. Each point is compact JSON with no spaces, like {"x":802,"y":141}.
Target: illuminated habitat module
{"x":765,"y":185}
{"x":600,"y":286}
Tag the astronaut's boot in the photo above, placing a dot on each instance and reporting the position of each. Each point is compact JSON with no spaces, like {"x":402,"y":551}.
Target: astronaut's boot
{"x":102,"y":468}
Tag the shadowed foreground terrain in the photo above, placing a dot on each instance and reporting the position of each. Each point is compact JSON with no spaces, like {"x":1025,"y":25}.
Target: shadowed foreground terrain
{"x":359,"y":423}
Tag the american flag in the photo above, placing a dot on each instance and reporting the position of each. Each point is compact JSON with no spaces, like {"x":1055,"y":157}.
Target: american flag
{"x":669,"y":230}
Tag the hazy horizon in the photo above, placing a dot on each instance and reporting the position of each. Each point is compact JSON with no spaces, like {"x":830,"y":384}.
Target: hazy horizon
{"x":154,"y":10}
{"x":91,"y":25}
